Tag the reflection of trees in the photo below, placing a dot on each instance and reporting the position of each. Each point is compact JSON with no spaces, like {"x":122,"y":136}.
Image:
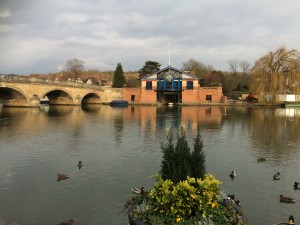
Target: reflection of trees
{"x":59,"y":110}
{"x":273,"y":132}
{"x":118,"y":125}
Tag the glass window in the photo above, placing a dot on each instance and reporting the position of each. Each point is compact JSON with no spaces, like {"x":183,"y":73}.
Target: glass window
{"x":148,"y":85}
{"x":189,"y":85}
{"x":176,"y":85}
{"x":168,"y":85}
{"x":160,"y":85}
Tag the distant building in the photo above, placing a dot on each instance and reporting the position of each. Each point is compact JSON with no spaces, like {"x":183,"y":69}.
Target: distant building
{"x":9,"y":76}
{"x":89,"y":81}
{"x":171,"y":85}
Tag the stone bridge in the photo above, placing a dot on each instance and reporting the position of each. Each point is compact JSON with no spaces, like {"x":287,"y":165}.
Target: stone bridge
{"x":28,"y":92}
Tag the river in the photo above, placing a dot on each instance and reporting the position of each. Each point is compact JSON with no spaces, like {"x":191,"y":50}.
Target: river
{"x":120,"y":149}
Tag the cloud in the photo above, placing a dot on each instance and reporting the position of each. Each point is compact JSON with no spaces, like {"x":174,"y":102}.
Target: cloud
{"x":4,"y":14}
{"x":39,"y":35}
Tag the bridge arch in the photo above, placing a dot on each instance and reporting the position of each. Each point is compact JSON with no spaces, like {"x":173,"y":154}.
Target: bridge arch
{"x":58,"y":96}
{"x":13,"y":96}
{"x":91,"y":98}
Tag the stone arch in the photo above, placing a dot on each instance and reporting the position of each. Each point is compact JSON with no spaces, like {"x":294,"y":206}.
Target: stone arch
{"x":91,"y":98}
{"x":6,"y":96}
{"x":58,"y":96}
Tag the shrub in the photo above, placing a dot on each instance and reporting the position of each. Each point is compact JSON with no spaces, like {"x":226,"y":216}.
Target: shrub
{"x":178,"y":161}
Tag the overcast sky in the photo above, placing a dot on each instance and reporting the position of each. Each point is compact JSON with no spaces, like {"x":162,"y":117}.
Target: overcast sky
{"x":37,"y":36}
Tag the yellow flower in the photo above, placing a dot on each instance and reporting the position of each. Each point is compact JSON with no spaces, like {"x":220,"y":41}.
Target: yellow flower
{"x":213,"y":205}
{"x":178,"y":219}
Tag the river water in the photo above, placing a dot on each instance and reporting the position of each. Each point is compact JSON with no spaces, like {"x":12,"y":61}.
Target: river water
{"x":120,"y":149}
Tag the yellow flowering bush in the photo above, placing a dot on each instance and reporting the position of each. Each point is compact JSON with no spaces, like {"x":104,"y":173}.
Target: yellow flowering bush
{"x":190,"y":202}
{"x":185,"y":199}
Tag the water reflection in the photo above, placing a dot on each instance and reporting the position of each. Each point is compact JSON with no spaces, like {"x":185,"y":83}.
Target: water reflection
{"x":91,"y":108}
{"x":36,"y":143}
{"x":274,"y":131}
{"x":118,"y":125}
{"x":54,"y":110}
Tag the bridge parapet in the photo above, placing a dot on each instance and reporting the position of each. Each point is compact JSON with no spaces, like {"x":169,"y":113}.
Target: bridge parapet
{"x":29,"y":92}
{"x":50,"y":82}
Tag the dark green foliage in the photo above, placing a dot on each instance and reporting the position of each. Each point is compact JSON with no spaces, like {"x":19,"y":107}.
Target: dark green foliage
{"x":198,"y":158}
{"x":168,"y":162}
{"x":182,"y":159}
{"x":179,"y":162}
{"x":148,"y":68}
{"x":119,"y":79}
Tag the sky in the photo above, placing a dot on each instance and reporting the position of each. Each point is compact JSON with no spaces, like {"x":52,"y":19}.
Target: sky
{"x":39,"y":36}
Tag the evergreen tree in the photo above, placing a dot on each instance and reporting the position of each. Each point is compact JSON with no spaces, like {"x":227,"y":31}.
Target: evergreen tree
{"x":119,"y":78}
{"x":168,"y":162}
{"x":179,"y":162}
{"x":148,"y":68}
{"x":182,"y":159}
{"x":198,"y":158}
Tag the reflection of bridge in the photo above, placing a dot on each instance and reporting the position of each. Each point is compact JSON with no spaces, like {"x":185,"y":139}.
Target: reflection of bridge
{"x":28,"y":92}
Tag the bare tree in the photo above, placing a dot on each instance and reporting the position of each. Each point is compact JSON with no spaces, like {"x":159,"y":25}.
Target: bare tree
{"x":76,"y":67}
{"x":276,"y":73}
{"x":197,"y":68}
{"x":245,"y":67}
{"x":233,"y":66}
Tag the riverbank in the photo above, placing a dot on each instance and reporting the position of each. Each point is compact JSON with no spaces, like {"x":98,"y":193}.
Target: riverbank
{"x":246,"y":104}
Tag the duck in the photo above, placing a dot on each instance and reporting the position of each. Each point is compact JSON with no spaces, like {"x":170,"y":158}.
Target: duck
{"x":261,"y":160}
{"x":80,"y":164}
{"x":232,"y":174}
{"x":285,"y":199}
{"x":297,"y":186}
{"x":291,"y":221}
{"x":62,"y":176}
{"x":276,"y":176}
{"x":231,"y":198}
{"x":70,"y":222}
{"x":138,"y":190}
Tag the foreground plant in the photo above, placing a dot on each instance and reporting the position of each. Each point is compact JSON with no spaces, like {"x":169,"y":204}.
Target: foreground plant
{"x":192,"y":201}
{"x":183,"y":192}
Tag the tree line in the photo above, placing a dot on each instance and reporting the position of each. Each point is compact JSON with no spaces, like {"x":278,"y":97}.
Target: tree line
{"x":277,"y":72}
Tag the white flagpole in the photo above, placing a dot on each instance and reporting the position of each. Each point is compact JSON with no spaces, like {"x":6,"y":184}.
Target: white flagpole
{"x":169,"y":53}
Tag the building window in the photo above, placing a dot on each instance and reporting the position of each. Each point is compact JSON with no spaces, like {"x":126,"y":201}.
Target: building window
{"x":189,"y":85}
{"x":149,"y":85}
{"x":169,"y":85}
{"x":160,"y":85}
{"x":208,"y":98}
{"x":176,"y":87}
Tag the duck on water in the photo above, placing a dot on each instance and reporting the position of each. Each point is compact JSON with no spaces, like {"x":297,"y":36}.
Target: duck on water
{"x":276,"y":176}
{"x":62,"y":176}
{"x":291,"y":221}
{"x":285,"y":199}
{"x":80,"y":164}
{"x":232,"y":174}
{"x":297,"y":186}
{"x":138,"y":190}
